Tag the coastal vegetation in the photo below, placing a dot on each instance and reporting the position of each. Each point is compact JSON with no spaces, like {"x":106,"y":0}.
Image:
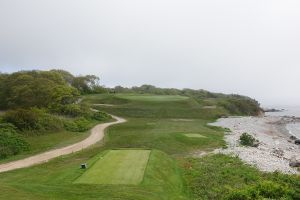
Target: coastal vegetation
{"x":169,"y":125}
{"x":39,"y":103}
{"x":248,"y":140}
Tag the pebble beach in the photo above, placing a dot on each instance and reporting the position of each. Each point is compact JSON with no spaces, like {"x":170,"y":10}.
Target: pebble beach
{"x":276,"y":148}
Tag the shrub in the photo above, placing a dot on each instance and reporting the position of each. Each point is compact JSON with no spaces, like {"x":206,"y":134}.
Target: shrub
{"x":248,"y":140}
{"x":33,"y":119}
{"x":11,"y":143}
{"x":101,"y":116}
{"x":49,"y":122}
{"x":263,"y":190}
{"x":22,"y":119}
{"x":72,"y":110}
{"x":78,"y":125}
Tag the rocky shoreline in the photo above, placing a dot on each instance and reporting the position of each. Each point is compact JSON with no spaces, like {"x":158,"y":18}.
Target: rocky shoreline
{"x":277,"y":149}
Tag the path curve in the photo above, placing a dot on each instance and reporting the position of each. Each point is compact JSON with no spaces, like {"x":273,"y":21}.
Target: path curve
{"x":97,"y":134}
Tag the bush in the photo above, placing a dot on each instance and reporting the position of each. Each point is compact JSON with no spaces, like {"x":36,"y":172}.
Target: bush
{"x":263,"y":190}
{"x":33,"y":119}
{"x":73,"y":110}
{"x":248,"y":140}
{"x":101,"y":116}
{"x":22,"y":119}
{"x":78,"y":125}
{"x":11,"y":143}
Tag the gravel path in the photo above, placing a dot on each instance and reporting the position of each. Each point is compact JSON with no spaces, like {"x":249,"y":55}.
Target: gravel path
{"x":275,"y":149}
{"x":97,"y":134}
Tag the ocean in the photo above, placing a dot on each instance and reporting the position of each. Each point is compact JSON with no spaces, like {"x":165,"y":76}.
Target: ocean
{"x":293,"y":128}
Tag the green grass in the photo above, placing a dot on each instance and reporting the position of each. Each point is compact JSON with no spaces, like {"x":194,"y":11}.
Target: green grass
{"x":44,"y":142}
{"x":155,"y":98}
{"x":163,"y":134}
{"x":216,"y":176}
{"x":160,"y":107}
{"x":55,"y":180}
{"x":117,"y":167}
{"x":194,"y":135}
{"x":155,"y":123}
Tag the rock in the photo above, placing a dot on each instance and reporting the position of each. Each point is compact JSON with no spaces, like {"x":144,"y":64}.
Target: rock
{"x":293,"y":138}
{"x":278,"y":152}
{"x":295,"y":163}
{"x":297,"y":142}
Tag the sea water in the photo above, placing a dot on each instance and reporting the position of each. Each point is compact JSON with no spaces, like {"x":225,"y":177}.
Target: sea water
{"x":291,"y":111}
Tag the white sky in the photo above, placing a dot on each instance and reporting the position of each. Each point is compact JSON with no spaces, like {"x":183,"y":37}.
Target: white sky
{"x":250,"y":47}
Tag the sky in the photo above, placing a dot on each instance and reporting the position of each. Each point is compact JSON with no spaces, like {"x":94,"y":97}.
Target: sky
{"x":234,"y":46}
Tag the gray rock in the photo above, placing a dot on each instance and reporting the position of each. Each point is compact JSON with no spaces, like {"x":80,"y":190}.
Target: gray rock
{"x":293,"y":138}
{"x":295,"y":163}
{"x":297,"y":141}
{"x":278,"y":152}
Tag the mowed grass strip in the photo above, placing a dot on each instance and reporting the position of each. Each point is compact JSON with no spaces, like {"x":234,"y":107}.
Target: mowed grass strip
{"x":147,"y":97}
{"x":194,"y":135}
{"x":117,"y":167}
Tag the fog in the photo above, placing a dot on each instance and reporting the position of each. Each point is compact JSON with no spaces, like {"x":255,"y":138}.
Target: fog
{"x":234,"y":46}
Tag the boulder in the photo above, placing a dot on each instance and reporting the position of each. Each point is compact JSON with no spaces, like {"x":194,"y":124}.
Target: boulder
{"x":295,"y":161}
{"x":297,"y":141}
{"x":293,"y":138}
{"x":278,"y":152}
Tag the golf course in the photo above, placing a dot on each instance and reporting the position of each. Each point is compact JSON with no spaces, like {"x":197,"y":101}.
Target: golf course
{"x":141,"y":143}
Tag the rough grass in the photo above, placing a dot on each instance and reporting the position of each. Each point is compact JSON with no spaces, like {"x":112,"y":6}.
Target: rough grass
{"x":117,"y":167}
{"x":216,"y":176}
{"x":44,"y":142}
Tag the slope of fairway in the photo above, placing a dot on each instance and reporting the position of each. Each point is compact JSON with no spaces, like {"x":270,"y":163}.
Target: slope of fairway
{"x":117,"y":167}
{"x":147,"y":97}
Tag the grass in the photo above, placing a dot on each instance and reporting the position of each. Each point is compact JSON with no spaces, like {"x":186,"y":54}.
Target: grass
{"x":55,"y":180}
{"x":216,"y":176}
{"x":44,"y":142}
{"x":151,"y":98}
{"x":163,"y":134}
{"x":187,"y":108}
{"x":117,"y":167}
{"x":194,"y":135}
{"x":155,"y":123}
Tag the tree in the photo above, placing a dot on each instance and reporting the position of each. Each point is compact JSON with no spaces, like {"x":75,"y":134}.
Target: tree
{"x":86,"y":84}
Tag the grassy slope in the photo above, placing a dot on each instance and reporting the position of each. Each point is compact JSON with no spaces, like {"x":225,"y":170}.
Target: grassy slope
{"x":50,"y":140}
{"x":152,"y":124}
{"x":213,"y":177}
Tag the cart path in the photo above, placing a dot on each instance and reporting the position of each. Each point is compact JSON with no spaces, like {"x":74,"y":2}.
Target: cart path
{"x":97,"y":134}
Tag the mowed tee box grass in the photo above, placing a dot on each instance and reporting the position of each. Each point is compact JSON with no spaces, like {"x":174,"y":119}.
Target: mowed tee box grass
{"x":117,"y":167}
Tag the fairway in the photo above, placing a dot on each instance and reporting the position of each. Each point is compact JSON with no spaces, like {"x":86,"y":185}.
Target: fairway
{"x":194,"y":135}
{"x":117,"y":167}
{"x":141,"y":97}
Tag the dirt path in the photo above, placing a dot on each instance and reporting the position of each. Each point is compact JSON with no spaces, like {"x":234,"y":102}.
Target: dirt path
{"x":97,"y":134}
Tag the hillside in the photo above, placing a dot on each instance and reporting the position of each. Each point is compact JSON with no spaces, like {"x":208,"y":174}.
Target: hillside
{"x":162,"y":141}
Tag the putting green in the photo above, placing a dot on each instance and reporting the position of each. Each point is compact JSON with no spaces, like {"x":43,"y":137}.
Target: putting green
{"x":152,"y":97}
{"x":194,"y":135}
{"x":117,"y":167}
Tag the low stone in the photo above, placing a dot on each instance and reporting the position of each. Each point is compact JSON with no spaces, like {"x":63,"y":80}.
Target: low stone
{"x":293,"y":138}
{"x":278,"y":152}
{"x":295,"y":163}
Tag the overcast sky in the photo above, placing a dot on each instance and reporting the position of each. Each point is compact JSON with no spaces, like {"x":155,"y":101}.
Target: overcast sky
{"x":250,"y":47}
